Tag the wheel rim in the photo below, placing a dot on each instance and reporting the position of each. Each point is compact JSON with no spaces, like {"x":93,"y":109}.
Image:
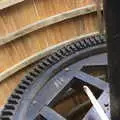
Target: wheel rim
{"x":27,"y":103}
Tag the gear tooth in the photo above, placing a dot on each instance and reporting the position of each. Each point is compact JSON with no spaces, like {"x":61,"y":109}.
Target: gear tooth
{"x":9,"y":107}
{"x":7,"y":113}
{"x":73,"y":47}
{"x":33,"y":73}
{"x":62,"y":51}
{"x":26,"y":82}
{"x":50,"y":60}
{"x":46,"y":63}
{"x":22,"y":86}
{"x":13,"y":101}
{"x":82,"y":45}
{"x":86,"y":43}
{"x":70,"y":49}
{"x":67,"y":49}
{"x":20,"y":92}
{"x":97,"y":39}
{"x":102,"y":38}
{"x":92,"y":40}
{"x":41,"y":66}
{"x":54,"y":57}
{"x":29,"y":78}
{"x":5,"y":118}
{"x":77,"y":46}
{"x":59,"y":55}
{"x":15,"y":96}
{"x":37,"y":70}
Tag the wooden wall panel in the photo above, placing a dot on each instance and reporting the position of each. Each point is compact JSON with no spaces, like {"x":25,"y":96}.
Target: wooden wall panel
{"x":29,"y":11}
{"x":20,"y":49}
{"x":45,"y":37}
{"x":7,"y":3}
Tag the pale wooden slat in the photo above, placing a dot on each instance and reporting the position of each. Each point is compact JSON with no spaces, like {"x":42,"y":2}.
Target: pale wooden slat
{"x":46,"y":22}
{"x":8,"y":3}
{"x":37,"y":56}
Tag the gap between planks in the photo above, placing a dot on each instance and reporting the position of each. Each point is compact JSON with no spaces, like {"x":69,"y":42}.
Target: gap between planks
{"x":47,"y":22}
{"x":37,"y":56}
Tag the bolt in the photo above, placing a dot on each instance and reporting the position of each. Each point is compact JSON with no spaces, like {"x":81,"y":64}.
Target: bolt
{"x":67,"y":69}
{"x":34,"y":102}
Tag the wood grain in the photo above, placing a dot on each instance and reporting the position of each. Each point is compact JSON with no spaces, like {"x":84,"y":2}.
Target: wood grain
{"x":18,"y":50}
{"x":46,"y":22}
{"x":37,"y":56}
{"x":7,"y":3}
{"x":28,"y":12}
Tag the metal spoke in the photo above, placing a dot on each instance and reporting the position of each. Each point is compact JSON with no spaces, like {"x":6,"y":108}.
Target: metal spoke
{"x":94,"y":81}
{"x":104,"y":101}
{"x":50,"y":114}
{"x":59,"y":84}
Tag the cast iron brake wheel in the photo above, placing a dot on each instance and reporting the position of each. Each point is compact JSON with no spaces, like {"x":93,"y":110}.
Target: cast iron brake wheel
{"x":43,"y":86}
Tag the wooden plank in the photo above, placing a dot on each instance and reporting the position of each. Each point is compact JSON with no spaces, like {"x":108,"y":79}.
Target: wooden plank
{"x":37,"y":56}
{"x":47,"y":22}
{"x":35,"y":10}
{"x":20,"y":49}
{"x":16,"y":51}
{"x":99,"y":16}
{"x":8,"y":3}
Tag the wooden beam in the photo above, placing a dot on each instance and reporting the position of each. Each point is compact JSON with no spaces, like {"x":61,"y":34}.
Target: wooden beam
{"x":38,"y":56}
{"x":47,"y":22}
{"x":8,"y":3}
{"x":99,"y":16}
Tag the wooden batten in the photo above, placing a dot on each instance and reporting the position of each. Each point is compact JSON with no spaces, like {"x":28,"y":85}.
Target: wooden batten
{"x":33,"y":28}
{"x":10,"y":71}
{"x":47,"y":22}
{"x":8,"y":3}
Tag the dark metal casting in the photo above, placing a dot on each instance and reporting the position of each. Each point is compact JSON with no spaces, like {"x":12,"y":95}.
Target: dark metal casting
{"x":112,"y":18}
{"x":43,"y":87}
